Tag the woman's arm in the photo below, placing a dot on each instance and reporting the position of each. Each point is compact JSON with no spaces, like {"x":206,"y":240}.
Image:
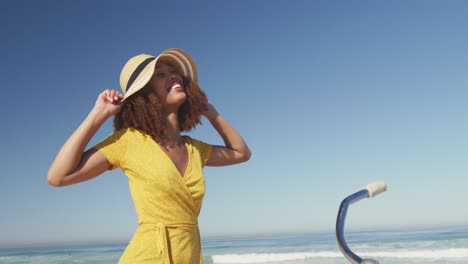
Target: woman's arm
{"x":235,"y":149}
{"x":72,"y":165}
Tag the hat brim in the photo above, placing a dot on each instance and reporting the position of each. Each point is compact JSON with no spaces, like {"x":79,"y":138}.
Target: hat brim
{"x":179,"y":58}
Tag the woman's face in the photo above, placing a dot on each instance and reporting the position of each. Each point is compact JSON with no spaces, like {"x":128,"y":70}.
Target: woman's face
{"x":168,"y":85}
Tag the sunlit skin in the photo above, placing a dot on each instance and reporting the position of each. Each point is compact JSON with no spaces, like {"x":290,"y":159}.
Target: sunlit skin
{"x":168,"y":85}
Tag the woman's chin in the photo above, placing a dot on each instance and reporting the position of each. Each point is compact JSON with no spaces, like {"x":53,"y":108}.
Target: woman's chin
{"x":176,"y":98}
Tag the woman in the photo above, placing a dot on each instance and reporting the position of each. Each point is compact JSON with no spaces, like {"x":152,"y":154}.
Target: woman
{"x":160,"y":99}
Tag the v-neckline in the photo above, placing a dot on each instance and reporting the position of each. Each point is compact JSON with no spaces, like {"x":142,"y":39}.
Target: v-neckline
{"x":181,"y":174}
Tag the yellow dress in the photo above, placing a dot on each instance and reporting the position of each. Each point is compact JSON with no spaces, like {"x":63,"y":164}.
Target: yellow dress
{"x":167,"y":203}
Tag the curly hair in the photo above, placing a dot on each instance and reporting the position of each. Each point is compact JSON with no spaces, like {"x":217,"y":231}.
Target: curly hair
{"x":144,"y":112}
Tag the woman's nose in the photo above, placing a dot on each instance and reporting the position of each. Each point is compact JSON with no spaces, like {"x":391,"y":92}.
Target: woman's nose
{"x":174,"y":77}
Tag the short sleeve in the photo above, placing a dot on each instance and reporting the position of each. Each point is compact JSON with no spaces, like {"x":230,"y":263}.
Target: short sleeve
{"x":113,"y":147}
{"x":204,"y":149}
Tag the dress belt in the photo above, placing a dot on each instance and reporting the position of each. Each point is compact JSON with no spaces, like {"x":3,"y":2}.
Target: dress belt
{"x":161,"y":239}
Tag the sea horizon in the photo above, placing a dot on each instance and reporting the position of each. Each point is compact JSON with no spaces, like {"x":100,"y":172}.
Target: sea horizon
{"x":348,"y":231}
{"x":424,"y":245}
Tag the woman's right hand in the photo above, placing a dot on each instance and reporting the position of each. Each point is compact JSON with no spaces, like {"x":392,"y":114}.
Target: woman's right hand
{"x":72,"y":164}
{"x":109,"y":102}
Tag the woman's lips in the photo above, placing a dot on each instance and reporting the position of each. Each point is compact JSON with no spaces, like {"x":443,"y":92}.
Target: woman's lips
{"x":175,"y":87}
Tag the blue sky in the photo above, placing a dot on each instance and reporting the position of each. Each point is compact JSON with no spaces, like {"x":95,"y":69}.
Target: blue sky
{"x":329,"y":95}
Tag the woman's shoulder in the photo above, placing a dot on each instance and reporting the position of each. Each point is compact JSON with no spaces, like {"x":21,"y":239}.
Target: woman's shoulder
{"x":199,"y":148}
{"x":189,"y":139}
{"x":128,"y":133}
{"x":194,"y":142}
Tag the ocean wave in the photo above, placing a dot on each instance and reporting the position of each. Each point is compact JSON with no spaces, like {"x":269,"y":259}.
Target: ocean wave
{"x":451,"y":253}
{"x":269,"y":257}
{"x":447,"y":254}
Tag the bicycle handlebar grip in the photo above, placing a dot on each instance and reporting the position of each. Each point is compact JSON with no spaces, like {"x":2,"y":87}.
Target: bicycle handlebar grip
{"x":375,"y":188}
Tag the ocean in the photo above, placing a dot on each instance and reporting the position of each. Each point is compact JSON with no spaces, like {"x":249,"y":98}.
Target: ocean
{"x":434,"y":246}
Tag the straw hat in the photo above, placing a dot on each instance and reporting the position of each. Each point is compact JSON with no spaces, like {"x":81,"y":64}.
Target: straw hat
{"x":138,"y":70}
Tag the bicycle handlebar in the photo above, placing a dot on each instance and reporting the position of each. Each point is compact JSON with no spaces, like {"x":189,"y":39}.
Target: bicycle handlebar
{"x":371,"y":190}
{"x":376,"y":188}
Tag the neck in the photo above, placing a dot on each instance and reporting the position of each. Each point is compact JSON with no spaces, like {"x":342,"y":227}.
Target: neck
{"x":172,"y":133}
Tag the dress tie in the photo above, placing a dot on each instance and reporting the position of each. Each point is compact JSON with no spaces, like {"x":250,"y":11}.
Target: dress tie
{"x":161,"y":237}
